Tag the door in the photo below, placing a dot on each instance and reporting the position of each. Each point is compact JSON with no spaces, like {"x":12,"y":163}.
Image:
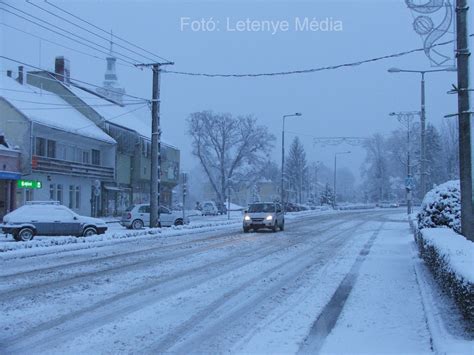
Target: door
{"x":144,"y":214}
{"x":66,"y":223}
{"x":166,"y":217}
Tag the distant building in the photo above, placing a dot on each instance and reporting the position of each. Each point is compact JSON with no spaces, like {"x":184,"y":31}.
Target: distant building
{"x":9,"y":175}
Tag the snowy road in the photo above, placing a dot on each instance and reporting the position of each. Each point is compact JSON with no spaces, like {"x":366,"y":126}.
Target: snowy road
{"x":211,"y":292}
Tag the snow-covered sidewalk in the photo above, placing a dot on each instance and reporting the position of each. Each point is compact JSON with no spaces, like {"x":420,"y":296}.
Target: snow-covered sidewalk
{"x":384,"y":312}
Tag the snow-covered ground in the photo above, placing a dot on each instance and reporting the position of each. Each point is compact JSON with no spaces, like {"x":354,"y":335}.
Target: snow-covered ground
{"x":214,"y":290}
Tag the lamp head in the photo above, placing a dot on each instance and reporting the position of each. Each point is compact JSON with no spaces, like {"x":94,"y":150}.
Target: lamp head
{"x":394,"y":70}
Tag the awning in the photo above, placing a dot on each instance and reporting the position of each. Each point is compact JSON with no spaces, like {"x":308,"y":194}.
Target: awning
{"x":9,"y":175}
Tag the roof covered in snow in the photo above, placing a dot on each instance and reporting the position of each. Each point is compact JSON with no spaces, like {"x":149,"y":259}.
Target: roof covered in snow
{"x":49,"y":109}
{"x":120,"y":115}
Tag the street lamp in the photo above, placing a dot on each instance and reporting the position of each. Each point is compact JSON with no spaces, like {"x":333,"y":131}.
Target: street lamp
{"x":423,"y":119}
{"x":405,"y":118}
{"x":335,"y":169}
{"x":297,"y":114}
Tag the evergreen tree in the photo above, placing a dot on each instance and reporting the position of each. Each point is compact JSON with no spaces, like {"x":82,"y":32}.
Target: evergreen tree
{"x":296,"y":168}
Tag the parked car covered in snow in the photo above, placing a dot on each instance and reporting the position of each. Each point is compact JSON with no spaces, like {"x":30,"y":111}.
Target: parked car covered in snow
{"x":49,"y":218}
{"x":138,"y":216}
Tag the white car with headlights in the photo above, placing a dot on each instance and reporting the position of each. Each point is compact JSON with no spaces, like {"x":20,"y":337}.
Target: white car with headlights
{"x":264,"y":215}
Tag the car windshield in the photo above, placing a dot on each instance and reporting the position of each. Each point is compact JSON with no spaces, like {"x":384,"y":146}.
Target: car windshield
{"x":262,"y":207}
{"x":129,"y":209}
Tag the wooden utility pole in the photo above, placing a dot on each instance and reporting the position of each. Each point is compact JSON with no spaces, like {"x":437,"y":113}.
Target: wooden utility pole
{"x":155,"y":179}
{"x":465,"y":127}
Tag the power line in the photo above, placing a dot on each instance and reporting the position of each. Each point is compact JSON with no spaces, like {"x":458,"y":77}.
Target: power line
{"x":65,"y":105}
{"x":69,"y":32}
{"x":306,"y":71}
{"x":101,"y":29}
{"x":62,"y":45}
{"x":85,"y":29}
{"x":55,"y":80}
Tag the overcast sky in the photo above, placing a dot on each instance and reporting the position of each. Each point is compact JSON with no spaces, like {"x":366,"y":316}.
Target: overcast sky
{"x":352,"y":101}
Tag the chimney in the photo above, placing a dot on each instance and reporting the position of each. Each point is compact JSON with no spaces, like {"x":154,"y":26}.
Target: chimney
{"x":9,"y":73}
{"x":20,"y":74}
{"x":62,"y":69}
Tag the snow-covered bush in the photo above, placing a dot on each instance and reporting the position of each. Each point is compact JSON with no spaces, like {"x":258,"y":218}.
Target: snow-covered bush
{"x":449,"y":256}
{"x":441,"y":207}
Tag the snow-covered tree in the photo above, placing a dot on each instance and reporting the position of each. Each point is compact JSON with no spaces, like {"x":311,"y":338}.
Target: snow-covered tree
{"x":296,"y":168}
{"x":228,"y":147}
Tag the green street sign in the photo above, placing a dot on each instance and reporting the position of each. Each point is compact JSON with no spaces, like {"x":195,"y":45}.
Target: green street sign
{"x":29,"y":184}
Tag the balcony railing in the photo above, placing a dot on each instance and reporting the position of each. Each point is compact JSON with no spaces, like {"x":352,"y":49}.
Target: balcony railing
{"x":56,"y":166}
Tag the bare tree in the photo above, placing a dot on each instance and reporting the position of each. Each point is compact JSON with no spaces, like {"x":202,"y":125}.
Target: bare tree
{"x":227,"y":147}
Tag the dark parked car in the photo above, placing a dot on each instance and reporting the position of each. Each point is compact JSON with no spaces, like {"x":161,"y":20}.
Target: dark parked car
{"x":49,"y":218}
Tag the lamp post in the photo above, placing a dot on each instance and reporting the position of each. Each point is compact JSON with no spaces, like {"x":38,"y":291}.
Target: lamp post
{"x":297,"y":114}
{"x":423,"y":119}
{"x":335,"y":169}
{"x":405,"y":118}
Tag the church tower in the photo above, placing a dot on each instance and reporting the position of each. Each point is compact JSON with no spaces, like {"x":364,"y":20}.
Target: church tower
{"x":111,"y":88}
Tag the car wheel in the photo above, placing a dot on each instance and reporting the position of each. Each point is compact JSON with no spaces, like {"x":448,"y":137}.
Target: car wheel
{"x":137,"y":224}
{"x":282,"y":227}
{"x":24,"y":235}
{"x":89,"y":232}
{"x":178,"y":222}
{"x":275,"y":226}
{"x":246,"y":230}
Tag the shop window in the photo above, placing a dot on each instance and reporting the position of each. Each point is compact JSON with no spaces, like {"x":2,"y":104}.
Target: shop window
{"x":78,"y":197}
{"x":72,"y":195}
{"x":59,"y":193}
{"x":52,"y":192}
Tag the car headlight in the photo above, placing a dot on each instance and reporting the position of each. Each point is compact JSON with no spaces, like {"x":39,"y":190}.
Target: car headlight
{"x":269,"y":218}
{"x":247,"y":218}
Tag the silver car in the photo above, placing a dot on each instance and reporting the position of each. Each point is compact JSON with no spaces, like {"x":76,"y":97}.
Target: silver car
{"x":138,"y":216}
{"x":264,"y":215}
{"x":49,"y":218}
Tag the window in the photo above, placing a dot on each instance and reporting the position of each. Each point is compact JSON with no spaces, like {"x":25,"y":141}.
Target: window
{"x":61,"y":151}
{"x":86,"y":157}
{"x":144,"y":209}
{"x":72,"y":195}
{"x":59,"y":193}
{"x":29,"y":195}
{"x":95,"y":157}
{"x":78,"y":197}
{"x":40,"y":147}
{"x":51,"y":149}
{"x":52,"y":192}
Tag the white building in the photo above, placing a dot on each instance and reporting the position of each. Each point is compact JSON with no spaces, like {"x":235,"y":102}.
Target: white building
{"x":60,"y":147}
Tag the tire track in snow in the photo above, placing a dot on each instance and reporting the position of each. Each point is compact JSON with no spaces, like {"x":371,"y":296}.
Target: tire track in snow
{"x":135,"y":298}
{"x":328,"y":317}
{"x":176,"y":342}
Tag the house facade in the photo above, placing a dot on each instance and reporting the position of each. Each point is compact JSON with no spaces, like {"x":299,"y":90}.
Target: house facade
{"x":107,"y":108}
{"x":63,"y":153}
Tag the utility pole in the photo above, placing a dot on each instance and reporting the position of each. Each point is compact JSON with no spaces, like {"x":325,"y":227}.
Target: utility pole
{"x":465,"y":139}
{"x":423,"y":140}
{"x":155,"y":183}
{"x":184,"y":190}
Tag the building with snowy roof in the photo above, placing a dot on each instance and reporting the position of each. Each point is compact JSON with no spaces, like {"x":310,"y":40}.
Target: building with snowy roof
{"x":65,"y":153}
{"x":111,"y":111}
